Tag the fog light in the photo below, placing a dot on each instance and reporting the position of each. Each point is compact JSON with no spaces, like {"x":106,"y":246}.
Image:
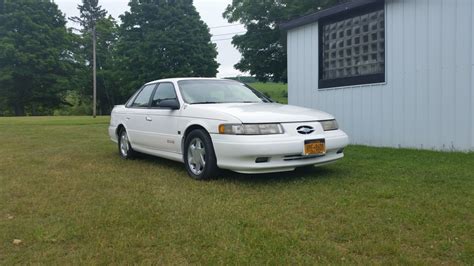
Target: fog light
{"x":340,"y":151}
{"x":262,"y":160}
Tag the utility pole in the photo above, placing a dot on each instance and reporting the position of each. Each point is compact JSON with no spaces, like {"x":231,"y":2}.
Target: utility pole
{"x":94,"y":71}
{"x":90,"y":13}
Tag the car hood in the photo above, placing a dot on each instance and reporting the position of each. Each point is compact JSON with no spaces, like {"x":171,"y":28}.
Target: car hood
{"x":266,"y":112}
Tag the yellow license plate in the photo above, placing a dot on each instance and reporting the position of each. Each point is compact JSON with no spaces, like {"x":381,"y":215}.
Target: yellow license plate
{"x":315,"y":147}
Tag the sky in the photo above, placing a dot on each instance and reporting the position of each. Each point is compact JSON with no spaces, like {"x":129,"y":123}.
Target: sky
{"x":211,"y":13}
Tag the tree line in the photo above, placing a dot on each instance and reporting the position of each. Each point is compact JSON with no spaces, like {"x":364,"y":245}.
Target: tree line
{"x":46,"y":67}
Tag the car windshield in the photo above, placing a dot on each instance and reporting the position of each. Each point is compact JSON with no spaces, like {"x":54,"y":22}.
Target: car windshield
{"x":219,"y":91}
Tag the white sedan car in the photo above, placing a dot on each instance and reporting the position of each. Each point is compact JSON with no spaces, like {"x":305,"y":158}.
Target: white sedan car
{"x":211,"y":123}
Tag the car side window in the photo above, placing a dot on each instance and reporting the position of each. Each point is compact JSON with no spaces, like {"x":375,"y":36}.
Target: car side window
{"x":165,"y":91}
{"x":143,"y":98}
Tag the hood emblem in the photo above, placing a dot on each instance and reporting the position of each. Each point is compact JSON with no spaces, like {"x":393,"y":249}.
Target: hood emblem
{"x":305,"y":130}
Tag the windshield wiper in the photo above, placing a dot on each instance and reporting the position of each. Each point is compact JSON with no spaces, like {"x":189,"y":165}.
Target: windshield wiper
{"x":205,"y":102}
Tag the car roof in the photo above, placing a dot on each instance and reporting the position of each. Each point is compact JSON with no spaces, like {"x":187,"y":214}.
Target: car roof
{"x":181,"y":79}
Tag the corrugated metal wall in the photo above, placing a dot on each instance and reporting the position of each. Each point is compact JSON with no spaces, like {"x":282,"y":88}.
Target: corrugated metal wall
{"x":428,"y":99}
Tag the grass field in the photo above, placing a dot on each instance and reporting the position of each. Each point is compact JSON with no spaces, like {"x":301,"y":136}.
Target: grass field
{"x":68,"y":197}
{"x":277,"y":91}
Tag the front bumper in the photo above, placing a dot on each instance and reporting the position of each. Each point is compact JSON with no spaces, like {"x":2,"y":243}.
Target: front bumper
{"x":113,"y":134}
{"x":284,"y":152}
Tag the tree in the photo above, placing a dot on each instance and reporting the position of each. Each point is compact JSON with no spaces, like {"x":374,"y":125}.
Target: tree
{"x":35,"y":56}
{"x":107,"y":89}
{"x":90,"y":14}
{"x":263,"y":47}
{"x":163,"y":39}
{"x":106,"y":30}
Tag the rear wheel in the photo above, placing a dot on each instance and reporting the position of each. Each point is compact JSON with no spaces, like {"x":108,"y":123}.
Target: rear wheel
{"x":124,"y":147}
{"x":199,"y":156}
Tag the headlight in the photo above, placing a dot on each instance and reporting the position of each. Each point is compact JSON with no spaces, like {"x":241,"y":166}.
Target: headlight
{"x":251,"y":129}
{"x":329,"y":125}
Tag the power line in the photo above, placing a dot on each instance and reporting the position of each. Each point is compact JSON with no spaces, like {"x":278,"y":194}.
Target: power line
{"x":226,"y":26}
{"x":229,"y":33}
{"x":254,"y":34}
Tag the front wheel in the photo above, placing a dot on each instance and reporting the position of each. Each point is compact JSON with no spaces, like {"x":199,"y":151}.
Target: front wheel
{"x":199,"y":155}
{"x":124,"y":147}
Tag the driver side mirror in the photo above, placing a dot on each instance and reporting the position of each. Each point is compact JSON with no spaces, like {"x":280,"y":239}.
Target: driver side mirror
{"x":172,"y":104}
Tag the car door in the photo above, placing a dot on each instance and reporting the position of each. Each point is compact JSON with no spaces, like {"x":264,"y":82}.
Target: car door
{"x":164,"y":133}
{"x":136,"y":118}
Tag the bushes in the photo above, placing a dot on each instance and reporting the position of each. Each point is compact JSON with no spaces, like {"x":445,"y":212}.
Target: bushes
{"x":76,"y":105}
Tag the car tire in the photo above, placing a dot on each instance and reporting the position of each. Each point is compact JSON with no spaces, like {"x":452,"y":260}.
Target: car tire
{"x":125,"y":149}
{"x":199,"y":155}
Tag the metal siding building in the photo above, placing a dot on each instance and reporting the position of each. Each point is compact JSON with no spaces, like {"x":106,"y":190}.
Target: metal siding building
{"x":427,"y":99}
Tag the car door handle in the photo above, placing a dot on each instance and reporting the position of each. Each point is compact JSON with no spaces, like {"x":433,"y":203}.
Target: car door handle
{"x":148,"y":118}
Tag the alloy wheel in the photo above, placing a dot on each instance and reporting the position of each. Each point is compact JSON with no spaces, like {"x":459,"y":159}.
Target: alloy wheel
{"x":196,"y":156}
{"x":124,"y":145}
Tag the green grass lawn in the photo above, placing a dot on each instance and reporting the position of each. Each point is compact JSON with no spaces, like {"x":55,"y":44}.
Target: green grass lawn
{"x":68,"y":196}
{"x":277,"y":91}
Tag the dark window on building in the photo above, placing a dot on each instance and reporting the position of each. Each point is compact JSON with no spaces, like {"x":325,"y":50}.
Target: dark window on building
{"x":352,"y":48}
